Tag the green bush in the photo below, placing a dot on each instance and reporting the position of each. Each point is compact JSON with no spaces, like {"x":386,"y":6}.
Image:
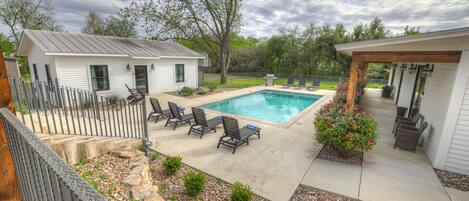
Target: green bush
{"x":241,"y":192}
{"x":153,"y":156}
{"x":23,"y":109}
{"x":186,"y":91}
{"x":112,"y":100}
{"x":86,"y":104}
{"x":172,"y":164}
{"x":194,"y":183}
{"x":201,"y":91}
{"x":211,"y":87}
{"x":345,"y":131}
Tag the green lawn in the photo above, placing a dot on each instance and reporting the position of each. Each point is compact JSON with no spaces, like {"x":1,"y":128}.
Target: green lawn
{"x":239,"y":82}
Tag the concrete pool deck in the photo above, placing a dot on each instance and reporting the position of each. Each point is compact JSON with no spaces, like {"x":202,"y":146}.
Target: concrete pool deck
{"x":284,"y":156}
{"x":273,"y":165}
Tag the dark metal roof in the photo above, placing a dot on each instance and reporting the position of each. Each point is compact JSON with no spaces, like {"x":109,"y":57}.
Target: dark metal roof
{"x":63,"y":43}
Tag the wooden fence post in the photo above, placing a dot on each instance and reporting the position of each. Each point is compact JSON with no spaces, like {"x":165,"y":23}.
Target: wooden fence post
{"x":8,"y":186}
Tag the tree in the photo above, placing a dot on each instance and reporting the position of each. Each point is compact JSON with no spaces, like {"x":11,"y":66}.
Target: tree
{"x":117,"y":25}
{"x":7,"y":46}
{"x":94,"y":24}
{"x":411,"y":31}
{"x":27,"y":14}
{"x":208,"y":24}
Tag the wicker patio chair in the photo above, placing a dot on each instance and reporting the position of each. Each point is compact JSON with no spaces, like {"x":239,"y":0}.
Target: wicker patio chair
{"x":202,"y":124}
{"x":290,"y":82}
{"x":233,"y":136}
{"x":408,"y":137}
{"x":401,"y":111}
{"x":315,"y":85}
{"x":404,"y":121}
{"x":157,"y":112}
{"x":176,"y":116}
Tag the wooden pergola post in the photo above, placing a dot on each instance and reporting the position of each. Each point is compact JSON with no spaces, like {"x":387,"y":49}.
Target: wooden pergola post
{"x":8,"y":186}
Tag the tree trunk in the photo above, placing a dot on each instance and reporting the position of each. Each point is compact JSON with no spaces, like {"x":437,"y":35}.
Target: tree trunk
{"x":224,"y":64}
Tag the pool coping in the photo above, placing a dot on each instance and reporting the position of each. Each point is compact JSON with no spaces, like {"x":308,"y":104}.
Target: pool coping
{"x":287,"y":124}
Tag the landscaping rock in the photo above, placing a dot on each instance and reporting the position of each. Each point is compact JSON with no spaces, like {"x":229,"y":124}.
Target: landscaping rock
{"x":142,"y":192}
{"x":133,"y":180}
{"x":154,"y":197}
{"x":138,"y":161}
{"x":453,"y":180}
{"x":127,"y":153}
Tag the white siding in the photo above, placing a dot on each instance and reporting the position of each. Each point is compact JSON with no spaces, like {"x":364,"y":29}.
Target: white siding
{"x":458,"y":154}
{"x":406,"y":88}
{"x":434,"y":106}
{"x":36,"y":56}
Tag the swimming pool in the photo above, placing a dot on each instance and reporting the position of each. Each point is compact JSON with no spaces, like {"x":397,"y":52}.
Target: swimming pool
{"x":266,"y":105}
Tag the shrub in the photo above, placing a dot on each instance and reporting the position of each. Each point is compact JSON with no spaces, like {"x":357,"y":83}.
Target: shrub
{"x":153,"y":156}
{"x":194,"y":183}
{"x":112,"y":100}
{"x":172,"y":164}
{"x":86,"y":104}
{"x":345,"y":131}
{"x":241,"y":192}
{"x":186,"y":91}
{"x":211,"y":87}
{"x":201,"y":91}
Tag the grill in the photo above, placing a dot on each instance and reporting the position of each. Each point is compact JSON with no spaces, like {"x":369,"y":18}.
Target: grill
{"x":269,"y":79}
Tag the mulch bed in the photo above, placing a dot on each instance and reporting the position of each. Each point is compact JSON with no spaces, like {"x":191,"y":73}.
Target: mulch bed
{"x":327,"y":153}
{"x":453,"y":180}
{"x":195,"y":95}
{"x":309,"y":193}
{"x":172,"y":187}
{"x":106,"y":174}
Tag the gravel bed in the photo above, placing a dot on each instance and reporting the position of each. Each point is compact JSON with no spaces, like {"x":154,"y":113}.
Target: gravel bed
{"x":453,"y":180}
{"x":172,"y":187}
{"x":303,"y":193}
{"x":195,"y":95}
{"x":328,"y":153}
{"x":106,"y":174}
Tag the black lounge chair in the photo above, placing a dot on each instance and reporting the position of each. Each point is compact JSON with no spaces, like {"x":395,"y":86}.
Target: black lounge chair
{"x":202,"y":124}
{"x":157,"y":112}
{"x":289,"y":83}
{"x":315,"y":85}
{"x":176,"y":116}
{"x":301,"y":83}
{"x":408,"y":137}
{"x":135,"y":95}
{"x":233,"y":136}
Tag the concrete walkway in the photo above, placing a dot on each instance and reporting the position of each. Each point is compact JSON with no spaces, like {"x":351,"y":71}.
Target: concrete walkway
{"x":273,"y":165}
{"x":387,"y":173}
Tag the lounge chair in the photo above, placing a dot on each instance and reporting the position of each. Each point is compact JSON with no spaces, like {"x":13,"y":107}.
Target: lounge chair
{"x":289,"y":83}
{"x":233,"y":136}
{"x":157,"y":112}
{"x":301,"y":83}
{"x":407,"y":138}
{"x":176,"y":116}
{"x":202,"y":124}
{"x":315,"y":85}
{"x":135,"y":95}
{"x":403,"y":121}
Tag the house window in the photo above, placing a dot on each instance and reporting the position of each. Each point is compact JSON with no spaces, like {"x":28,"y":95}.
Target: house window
{"x":179,"y":73}
{"x":36,"y":76}
{"x":99,"y":77}
{"x":49,"y":79}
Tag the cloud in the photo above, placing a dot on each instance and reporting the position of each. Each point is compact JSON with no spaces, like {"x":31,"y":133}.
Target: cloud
{"x":264,"y":17}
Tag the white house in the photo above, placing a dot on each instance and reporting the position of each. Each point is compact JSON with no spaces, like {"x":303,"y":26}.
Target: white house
{"x":105,"y":63}
{"x":441,"y":93}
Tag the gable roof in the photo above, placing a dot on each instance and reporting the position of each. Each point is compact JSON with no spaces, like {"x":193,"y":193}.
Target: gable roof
{"x":79,"y":44}
{"x":458,"y":34}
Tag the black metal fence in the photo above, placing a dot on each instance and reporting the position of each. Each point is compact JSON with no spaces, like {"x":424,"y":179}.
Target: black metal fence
{"x":47,"y":107}
{"x":40,"y":173}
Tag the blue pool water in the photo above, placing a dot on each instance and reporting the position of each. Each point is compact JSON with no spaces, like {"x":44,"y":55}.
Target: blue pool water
{"x":266,"y":105}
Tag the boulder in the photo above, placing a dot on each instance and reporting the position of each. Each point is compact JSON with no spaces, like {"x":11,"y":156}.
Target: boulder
{"x":133,"y":180}
{"x":127,"y":153}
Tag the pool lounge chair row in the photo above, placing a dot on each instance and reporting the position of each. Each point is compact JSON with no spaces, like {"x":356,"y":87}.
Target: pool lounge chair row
{"x":233,"y":136}
{"x":302,"y":84}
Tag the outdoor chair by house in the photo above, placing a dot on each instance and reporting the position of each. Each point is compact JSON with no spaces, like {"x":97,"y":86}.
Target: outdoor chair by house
{"x":301,"y":83}
{"x":290,"y":82}
{"x":202,"y":124}
{"x":176,"y":116}
{"x":407,"y":137}
{"x":407,"y":121}
{"x":233,"y":136}
{"x":400,"y":111}
{"x":315,"y":85}
{"x":135,"y":95}
{"x":157,"y":112}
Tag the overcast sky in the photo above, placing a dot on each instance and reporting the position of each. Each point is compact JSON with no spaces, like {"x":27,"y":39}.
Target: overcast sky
{"x":263,"y":18}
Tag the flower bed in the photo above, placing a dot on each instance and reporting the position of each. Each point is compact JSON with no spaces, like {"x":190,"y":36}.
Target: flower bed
{"x":309,"y":193}
{"x":345,"y":131}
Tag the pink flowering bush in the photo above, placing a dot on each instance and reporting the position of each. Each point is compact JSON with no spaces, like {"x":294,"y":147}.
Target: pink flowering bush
{"x":345,"y":131}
